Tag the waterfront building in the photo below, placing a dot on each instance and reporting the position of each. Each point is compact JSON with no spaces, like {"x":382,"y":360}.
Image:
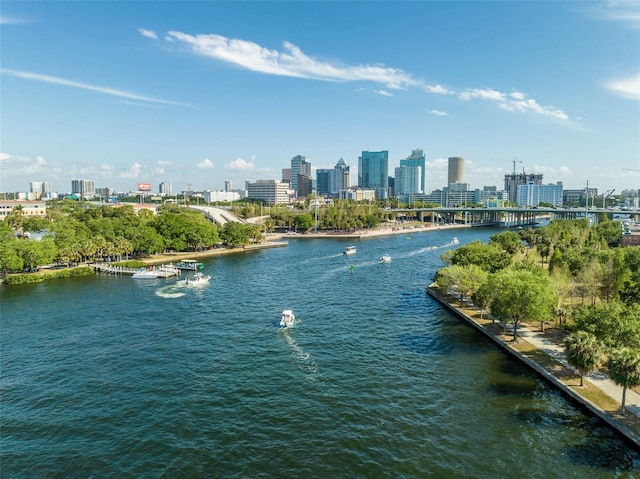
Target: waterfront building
{"x":416,"y":158}
{"x":407,"y":181}
{"x":531,"y":195}
{"x":300,"y":165}
{"x":373,"y":172}
{"x":513,"y":180}
{"x":578,"y":196}
{"x":456,"y":170}
{"x":358,"y":194}
{"x":273,"y":192}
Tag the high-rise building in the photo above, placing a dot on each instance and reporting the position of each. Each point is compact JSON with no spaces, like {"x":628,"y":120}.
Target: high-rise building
{"x":82,"y":188}
{"x":329,"y":182}
{"x":373,"y":172}
{"x":512,"y":181}
{"x":407,"y":180}
{"x":271,"y":191}
{"x":456,"y":170}
{"x":416,"y":158}
{"x":300,"y":165}
{"x":227,"y":186}
{"x":532,"y":194}
{"x":165,"y":188}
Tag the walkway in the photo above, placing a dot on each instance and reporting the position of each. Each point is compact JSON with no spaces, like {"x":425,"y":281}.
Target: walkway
{"x":597,"y":378}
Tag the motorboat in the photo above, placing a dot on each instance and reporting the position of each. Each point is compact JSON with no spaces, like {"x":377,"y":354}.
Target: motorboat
{"x":189,"y":265}
{"x":385,"y":258}
{"x":350,"y":250}
{"x":287,"y":318}
{"x":455,"y":240}
{"x":144,"y":273}
{"x":197,"y":279}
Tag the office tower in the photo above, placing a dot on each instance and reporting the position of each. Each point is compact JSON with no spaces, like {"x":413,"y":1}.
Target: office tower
{"x":407,"y":180}
{"x":416,"y":158}
{"x":373,"y":172}
{"x":227,"y":185}
{"x":272,"y":192}
{"x":300,"y":165}
{"x":456,"y":170}
{"x":332,"y":181}
{"x":165,"y":188}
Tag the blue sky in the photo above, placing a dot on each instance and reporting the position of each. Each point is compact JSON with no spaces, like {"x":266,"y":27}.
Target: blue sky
{"x":194,"y":93}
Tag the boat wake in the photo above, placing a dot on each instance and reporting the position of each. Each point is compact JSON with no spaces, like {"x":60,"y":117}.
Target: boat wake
{"x":171,"y":291}
{"x":305,"y":362}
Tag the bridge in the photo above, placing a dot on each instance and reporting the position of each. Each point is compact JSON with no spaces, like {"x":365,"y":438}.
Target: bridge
{"x":217,"y":215}
{"x":509,"y":216}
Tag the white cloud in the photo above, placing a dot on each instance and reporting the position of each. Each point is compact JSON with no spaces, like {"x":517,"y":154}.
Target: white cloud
{"x":164,"y":163}
{"x":515,"y":101}
{"x":11,"y":20}
{"x":438,"y":112}
{"x":616,"y":10}
{"x":205,"y":164}
{"x":5,"y":156}
{"x":291,"y":61}
{"x":439,"y":89}
{"x":132,"y":172}
{"x":86,"y":86}
{"x":240,"y":164}
{"x":626,"y":87}
{"x":383,"y":92}
{"x":148,"y":33}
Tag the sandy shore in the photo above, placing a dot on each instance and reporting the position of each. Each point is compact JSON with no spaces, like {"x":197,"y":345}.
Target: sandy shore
{"x":277,"y":240}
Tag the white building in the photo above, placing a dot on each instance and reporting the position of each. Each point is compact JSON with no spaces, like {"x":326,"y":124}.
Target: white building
{"x":530,"y":195}
{"x":273,"y":192}
{"x":220,"y":196}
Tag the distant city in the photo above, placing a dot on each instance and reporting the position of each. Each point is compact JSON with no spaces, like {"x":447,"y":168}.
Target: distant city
{"x":407,"y":185}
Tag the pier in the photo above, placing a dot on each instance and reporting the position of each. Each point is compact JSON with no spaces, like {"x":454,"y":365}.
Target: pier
{"x":163,"y":271}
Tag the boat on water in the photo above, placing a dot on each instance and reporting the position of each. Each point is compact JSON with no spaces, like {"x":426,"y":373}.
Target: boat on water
{"x":287,"y":318}
{"x":190,"y":265}
{"x":385,"y":258}
{"x":144,"y":273}
{"x":350,"y":250}
{"x":197,"y":279}
{"x":455,"y":240}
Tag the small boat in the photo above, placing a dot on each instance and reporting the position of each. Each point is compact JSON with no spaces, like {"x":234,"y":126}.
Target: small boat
{"x":197,"y":279}
{"x":455,"y":240}
{"x":385,"y":258}
{"x":189,"y":265}
{"x":287,"y":318}
{"x":143,"y":273}
{"x":350,"y":250}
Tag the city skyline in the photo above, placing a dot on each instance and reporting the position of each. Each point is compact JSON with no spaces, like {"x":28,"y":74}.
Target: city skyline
{"x":202,"y":92}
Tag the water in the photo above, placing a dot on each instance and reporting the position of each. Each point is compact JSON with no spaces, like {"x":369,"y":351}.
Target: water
{"x":108,"y":376}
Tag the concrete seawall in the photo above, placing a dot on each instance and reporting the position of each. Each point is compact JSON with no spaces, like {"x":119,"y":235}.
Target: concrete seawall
{"x":632,"y":437}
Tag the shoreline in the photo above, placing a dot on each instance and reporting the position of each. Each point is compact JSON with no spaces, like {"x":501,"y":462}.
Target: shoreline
{"x":627,"y":426}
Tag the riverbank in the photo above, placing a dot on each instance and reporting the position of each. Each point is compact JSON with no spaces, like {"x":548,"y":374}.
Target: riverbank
{"x":543,"y":352}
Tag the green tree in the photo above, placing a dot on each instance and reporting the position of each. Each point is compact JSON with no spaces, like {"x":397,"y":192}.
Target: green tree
{"x":522,"y":295}
{"x":584,"y":352}
{"x":464,"y":280}
{"x":234,"y":234}
{"x":624,"y":370}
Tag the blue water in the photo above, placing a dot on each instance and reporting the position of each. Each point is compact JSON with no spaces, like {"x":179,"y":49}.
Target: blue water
{"x":108,"y":376}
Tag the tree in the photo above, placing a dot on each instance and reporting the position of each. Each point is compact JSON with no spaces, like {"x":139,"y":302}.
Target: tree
{"x":464,"y":280}
{"x":624,"y":370}
{"x":521,"y":295}
{"x":584,"y":352}
{"x":234,"y":234}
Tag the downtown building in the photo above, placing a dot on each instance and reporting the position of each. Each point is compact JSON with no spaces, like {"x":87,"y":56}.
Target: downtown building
{"x":330,"y":182}
{"x":83,"y":188}
{"x":373,"y":172}
{"x":272,"y":192}
{"x":531,"y":194}
{"x":300,"y":175}
{"x":416,"y":158}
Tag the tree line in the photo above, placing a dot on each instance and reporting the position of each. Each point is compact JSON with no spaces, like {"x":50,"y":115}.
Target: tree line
{"x":567,"y":272}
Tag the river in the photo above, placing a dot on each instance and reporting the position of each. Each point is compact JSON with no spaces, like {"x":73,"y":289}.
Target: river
{"x":107,"y":376}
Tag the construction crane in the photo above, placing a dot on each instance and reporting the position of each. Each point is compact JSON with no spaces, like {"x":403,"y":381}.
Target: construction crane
{"x":606,"y":195}
{"x":188,"y":190}
{"x":514,"y":166}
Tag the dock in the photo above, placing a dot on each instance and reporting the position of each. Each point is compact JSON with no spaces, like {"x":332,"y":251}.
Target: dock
{"x":163,"y":270}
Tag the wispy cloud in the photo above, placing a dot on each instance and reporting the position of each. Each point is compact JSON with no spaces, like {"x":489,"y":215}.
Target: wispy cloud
{"x":205,"y":164}
{"x":438,"y":113}
{"x":626,"y":87}
{"x":148,"y":33}
{"x":4,"y":20}
{"x":514,"y":101}
{"x":86,"y":86}
{"x":291,"y":61}
{"x":132,"y":172}
{"x":615,"y":10}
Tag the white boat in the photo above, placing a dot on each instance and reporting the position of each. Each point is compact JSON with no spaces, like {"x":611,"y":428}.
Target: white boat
{"x":197,"y":279}
{"x":189,"y":265}
{"x":455,"y":240}
{"x":350,"y":250}
{"x":287,"y":318}
{"x":143,"y":273}
{"x":385,"y":258}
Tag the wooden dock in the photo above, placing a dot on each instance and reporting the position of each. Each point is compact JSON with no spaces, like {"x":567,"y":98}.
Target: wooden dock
{"x":163,"y":270}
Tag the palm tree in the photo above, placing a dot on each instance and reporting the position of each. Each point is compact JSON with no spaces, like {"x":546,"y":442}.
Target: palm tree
{"x":584,"y":352}
{"x":624,"y":370}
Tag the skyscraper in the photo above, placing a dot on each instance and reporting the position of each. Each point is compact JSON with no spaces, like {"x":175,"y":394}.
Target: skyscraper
{"x":300,"y":165}
{"x":456,"y":170}
{"x":416,"y":158}
{"x":373,"y":172}
{"x":407,"y":180}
